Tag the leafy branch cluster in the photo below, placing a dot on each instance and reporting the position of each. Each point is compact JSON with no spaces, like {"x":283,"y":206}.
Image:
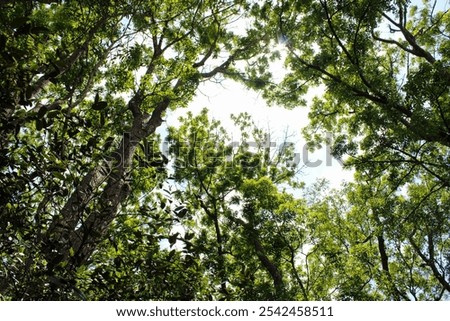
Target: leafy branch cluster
{"x":87,"y":213}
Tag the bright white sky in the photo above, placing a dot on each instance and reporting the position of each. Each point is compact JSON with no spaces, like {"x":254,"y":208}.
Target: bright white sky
{"x":230,"y":97}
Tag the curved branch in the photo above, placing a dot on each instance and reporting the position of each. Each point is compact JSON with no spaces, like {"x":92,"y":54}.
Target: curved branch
{"x":64,"y":66}
{"x":416,"y":50}
{"x":271,"y":267}
{"x":430,"y":261}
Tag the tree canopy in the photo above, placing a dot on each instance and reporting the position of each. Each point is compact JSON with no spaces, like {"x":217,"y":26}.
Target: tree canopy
{"x":96,"y":205}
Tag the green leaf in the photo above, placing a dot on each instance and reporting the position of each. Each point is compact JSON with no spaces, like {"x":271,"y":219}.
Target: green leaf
{"x":99,"y":105}
{"x":19,"y":22}
{"x":41,"y":123}
{"x":173,"y":239}
{"x":58,"y":175}
{"x":181,"y":213}
{"x":189,"y":236}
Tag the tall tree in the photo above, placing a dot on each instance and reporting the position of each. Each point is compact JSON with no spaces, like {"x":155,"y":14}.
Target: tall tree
{"x":384,"y":68}
{"x":244,"y":223}
{"x":372,"y":59}
{"x":92,"y":208}
{"x":83,"y":84}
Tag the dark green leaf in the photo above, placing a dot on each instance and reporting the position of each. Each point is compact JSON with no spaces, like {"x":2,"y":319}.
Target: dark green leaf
{"x":99,"y":105}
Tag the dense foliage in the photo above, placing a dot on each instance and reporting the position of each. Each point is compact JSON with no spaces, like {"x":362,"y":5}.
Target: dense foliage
{"x":95,"y":205}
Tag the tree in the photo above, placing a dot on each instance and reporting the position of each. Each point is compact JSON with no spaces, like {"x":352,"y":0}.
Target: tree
{"x":375,"y":97}
{"x":92,"y":208}
{"x":84,"y":84}
{"x":384,"y":68}
{"x":258,"y":241}
{"x":240,"y":219}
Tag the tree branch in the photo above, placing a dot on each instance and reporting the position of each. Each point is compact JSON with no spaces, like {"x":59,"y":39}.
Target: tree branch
{"x":429,"y":261}
{"x":271,"y":267}
{"x":63,"y":66}
{"x":416,"y":49}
